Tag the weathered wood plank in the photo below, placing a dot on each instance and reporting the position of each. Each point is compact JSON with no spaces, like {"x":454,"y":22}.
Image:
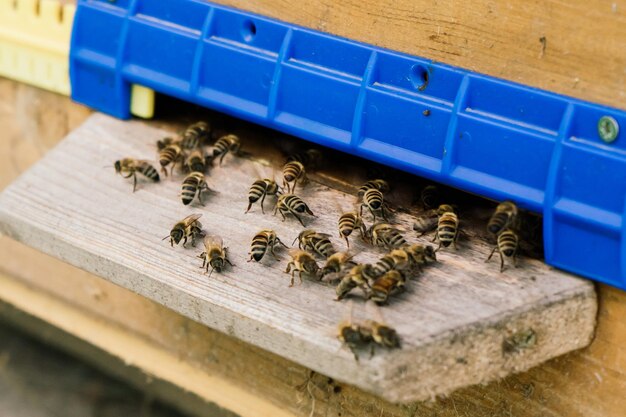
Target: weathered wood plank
{"x":453,"y":321}
{"x":573,"y":47}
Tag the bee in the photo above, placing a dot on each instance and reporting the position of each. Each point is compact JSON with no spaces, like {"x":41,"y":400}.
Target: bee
{"x":195,"y":135}
{"x":259,"y":190}
{"x":398,"y":259}
{"x":171,"y":154}
{"x":505,"y":215}
{"x":358,"y":276}
{"x":381,"y":334}
{"x":163,"y":143}
{"x":310,"y":159}
{"x":374,"y":201}
{"x":129,"y":167}
{"x":301,"y":261}
{"x":390,"y":283}
{"x":194,"y":184}
{"x":421,"y":255}
{"x":336,"y":263}
{"x":385,"y":235}
{"x":214,"y":255}
{"x":425,"y":224}
{"x":317,"y":242}
{"x":507,"y":247}
{"x":261,"y":242}
{"x":189,"y":227}
{"x":229,"y":143}
{"x":349,"y":222}
{"x":198,"y":161}
{"x":430,"y":197}
{"x":353,"y":337}
{"x":292,"y":173}
{"x":380,"y":185}
{"x":447,"y":228}
{"x":290,"y":203}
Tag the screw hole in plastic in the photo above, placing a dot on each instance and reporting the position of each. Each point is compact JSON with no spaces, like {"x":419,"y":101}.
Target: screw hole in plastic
{"x":419,"y":77}
{"x":248,"y":31}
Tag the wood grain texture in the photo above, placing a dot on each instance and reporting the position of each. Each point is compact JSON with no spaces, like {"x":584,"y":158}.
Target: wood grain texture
{"x":453,"y":321}
{"x":571,"y":47}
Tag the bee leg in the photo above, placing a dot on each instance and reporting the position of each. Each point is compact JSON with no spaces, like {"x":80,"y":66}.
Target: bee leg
{"x":491,"y":254}
{"x":273,"y":254}
{"x":289,"y":265}
{"x":299,"y":219}
{"x":300,"y":276}
{"x":361,"y":209}
{"x":434,"y":238}
{"x":438,"y":247}
{"x":281,"y":242}
{"x":262,"y":201}
{"x":292,"y":278}
{"x":347,"y":241}
{"x":372,"y":346}
{"x":354,"y":352}
{"x":222,"y":157}
{"x":134,"y":182}
{"x":282,"y":214}
{"x":250,"y":206}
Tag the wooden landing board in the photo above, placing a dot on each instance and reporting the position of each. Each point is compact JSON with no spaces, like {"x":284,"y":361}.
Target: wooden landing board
{"x":457,"y":321}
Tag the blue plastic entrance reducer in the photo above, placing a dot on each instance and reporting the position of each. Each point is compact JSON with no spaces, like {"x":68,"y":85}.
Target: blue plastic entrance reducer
{"x":549,"y":153}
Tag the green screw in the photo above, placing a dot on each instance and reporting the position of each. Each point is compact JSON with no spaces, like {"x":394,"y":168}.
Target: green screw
{"x":608,"y":129}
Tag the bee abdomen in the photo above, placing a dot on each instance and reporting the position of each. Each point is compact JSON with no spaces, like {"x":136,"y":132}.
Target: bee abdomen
{"x":395,"y":239}
{"x":292,"y":171}
{"x":168,"y":155}
{"x":507,"y":242}
{"x":221,"y":147}
{"x":190,"y":187}
{"x":324,"y":247}
{"x":430,"y":196}
{"x":447,"y":228}
{"x":497,"y":222}
{"x":259,"y":247}
{"x":256,"y":191}
{"x":149,"y":171}
{"x":373,"y":198}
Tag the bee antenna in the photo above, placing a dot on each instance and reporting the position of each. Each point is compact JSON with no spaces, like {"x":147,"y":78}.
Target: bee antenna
{"x":294,"y":241}
{"x":165,"y":238}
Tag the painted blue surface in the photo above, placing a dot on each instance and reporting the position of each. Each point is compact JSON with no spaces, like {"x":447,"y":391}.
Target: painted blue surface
{"x":487,"y":136}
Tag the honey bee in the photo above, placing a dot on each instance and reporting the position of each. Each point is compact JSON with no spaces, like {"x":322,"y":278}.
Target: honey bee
{"x":198,"y":161}
{"x":336,"y":263}
{"x":381,"y":334}
{"x":390,"y":283}
{"x":301,"y":262}
{"x":447,"y":228}
{"x":261,"y":242}
{"x":292,"y":173}
{"x":319,"y":243}
{"x":195,"y":135}
{"x":506,"y":246}
{"x":349,"y":222}
{"x":194,"y":184}
{"x":259,"y":190}
{"x":374,"y":201}
{"x":214,"y":255}
{"x":385,"y":235}
{"x":378,"y":184}
{"x":425,"y":224}
{"x":430,"y":197}
{"x":310,"y":159}
{"x":129,"y":167}
{"x":358,"y":276}
{"x":229,"y":143}
{"x":171,"y":154}
{"x":290,"y":203}
{"x":187,"y":228}
{"x":398,"y":259}
{"x":505,"y":215}
{"x":421,"y":255}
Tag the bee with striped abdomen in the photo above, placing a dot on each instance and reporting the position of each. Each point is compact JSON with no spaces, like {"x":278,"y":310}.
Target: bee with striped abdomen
{"x":195,"y":135}
{"x":292,"y":173}
{"x":129,"y":167}
{"x":198,"y":161}
{"x":187,"y":228}
{"x":398,"y":259}
{"x":349,"y":222}
{"x":301,"y":262}
{"x":311,"y":158}
{"x":228,"y":143}
{"x":214,"y":255}
{"x":171,"y":154}
{"x":319,"y":243}
{"x":505,"y":216}
{"x":290,"y":203}
{"x":262,"y":242}
{"x":378,"y":184}
{"x":358,"y":276}
{"x":374,"y":200}
{"x":259,"y":190}
{"x":390,"y":283}
{"x":506,"y":247}
{"x":194,"y":184}
{"x":430,"y":197}
{"x":447,"y":227}
{"x":336,"y":263}
{"x":385,"y":235}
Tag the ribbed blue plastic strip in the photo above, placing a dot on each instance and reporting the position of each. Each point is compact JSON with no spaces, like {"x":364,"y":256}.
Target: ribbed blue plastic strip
{"x":491,"y":137}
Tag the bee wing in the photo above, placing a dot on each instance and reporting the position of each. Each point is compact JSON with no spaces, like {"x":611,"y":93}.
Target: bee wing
{"x":213,"y":240}
{"x":320,"y":234}
{"x":192,"y":218}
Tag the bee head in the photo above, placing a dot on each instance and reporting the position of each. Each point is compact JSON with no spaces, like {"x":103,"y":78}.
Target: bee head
{"x":388,"y":337}
{"x":429,"y":254}
{"x":176,"y":235}
{"x":118,"y":166}
{"x":351,"y":335}
{"x":217,"y":264}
